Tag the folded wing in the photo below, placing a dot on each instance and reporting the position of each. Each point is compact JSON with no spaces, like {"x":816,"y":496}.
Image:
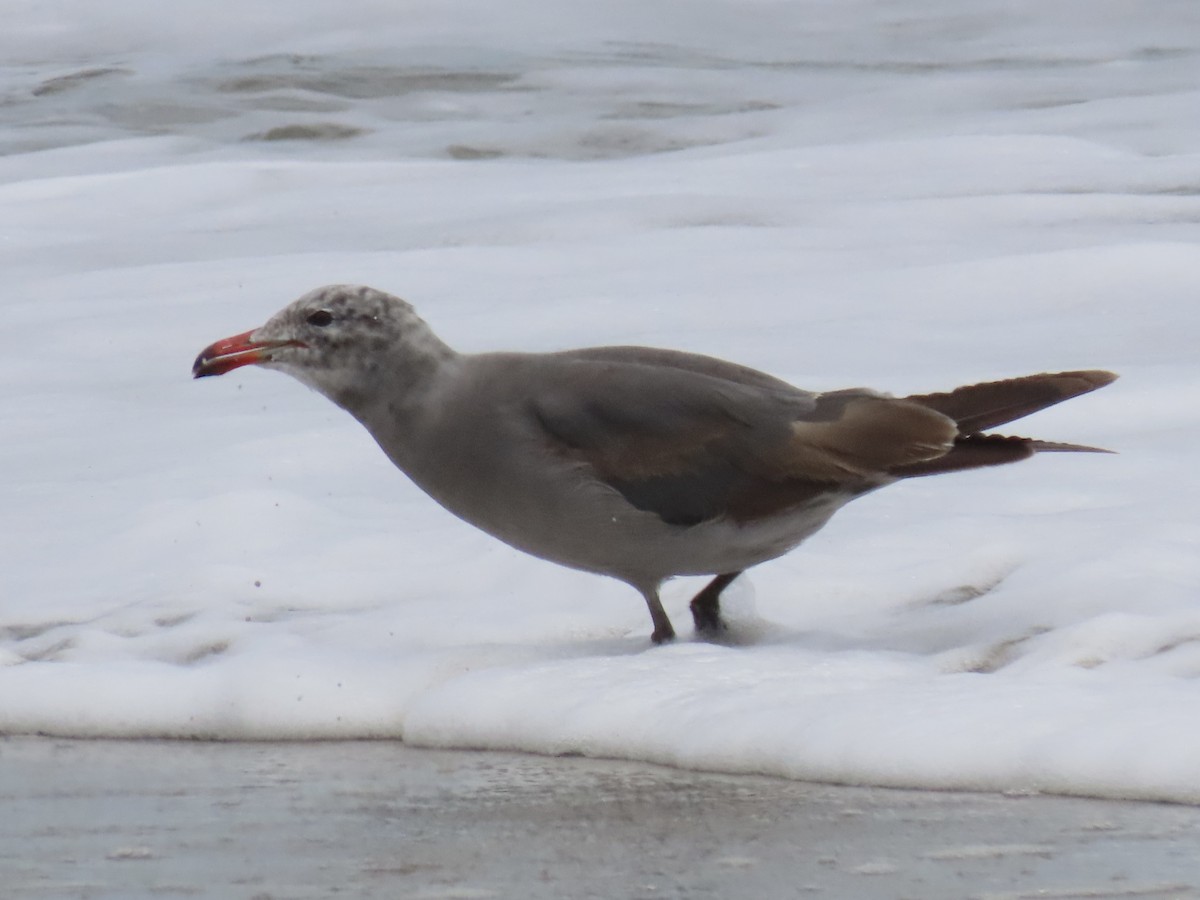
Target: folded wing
{"x":692,"y":447}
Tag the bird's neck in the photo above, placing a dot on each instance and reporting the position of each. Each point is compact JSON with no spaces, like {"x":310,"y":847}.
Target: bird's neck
{"x":395,"y":394}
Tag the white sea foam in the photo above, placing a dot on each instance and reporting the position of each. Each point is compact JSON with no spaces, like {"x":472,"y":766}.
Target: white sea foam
{"x":839,"y":194}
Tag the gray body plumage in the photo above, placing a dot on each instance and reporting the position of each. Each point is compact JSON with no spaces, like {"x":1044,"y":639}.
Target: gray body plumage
{"x":631,"y":462}
{"x":542,"y":495}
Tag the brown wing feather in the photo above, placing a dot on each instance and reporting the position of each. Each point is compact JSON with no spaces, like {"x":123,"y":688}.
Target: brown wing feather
{"x":978,"y":407}
{"x":868,"y":436}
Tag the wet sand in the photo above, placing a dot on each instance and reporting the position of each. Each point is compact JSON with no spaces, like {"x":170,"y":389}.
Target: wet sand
{"x":268,"y":821}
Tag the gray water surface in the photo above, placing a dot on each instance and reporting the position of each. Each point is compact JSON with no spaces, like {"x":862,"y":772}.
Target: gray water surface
{"x":117,"y":819}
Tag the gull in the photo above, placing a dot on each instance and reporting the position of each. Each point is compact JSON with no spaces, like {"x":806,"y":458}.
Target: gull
{"x":637,"y":463}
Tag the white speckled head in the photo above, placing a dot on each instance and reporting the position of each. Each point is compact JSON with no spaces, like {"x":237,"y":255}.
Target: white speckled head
{"x":345,"y":341}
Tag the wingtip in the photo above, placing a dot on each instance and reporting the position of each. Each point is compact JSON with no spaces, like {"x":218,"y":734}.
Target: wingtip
{"x":1059,"y":447}
{"x":1096,"y":378}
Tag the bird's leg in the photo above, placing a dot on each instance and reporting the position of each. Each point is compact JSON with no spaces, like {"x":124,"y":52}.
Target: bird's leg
{"x":706,"y":605}
{"x":662,"y":625}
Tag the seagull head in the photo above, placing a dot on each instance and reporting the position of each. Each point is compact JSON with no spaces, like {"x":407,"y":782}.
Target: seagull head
{"x":341,"y":340}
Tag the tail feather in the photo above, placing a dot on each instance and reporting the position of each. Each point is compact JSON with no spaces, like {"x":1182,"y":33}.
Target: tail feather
{"x":981,"y":406}
{"x":978,"y":407}
{"x":1058,"y":446}
{"x":974,"y":451}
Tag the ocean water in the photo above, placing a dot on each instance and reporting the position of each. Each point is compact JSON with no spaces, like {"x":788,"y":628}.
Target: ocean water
{"x":908,"y":196}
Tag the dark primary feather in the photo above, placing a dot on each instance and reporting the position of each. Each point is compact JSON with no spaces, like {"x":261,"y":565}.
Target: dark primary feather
{"x":972,"y":451}
{"x":978,"y":407}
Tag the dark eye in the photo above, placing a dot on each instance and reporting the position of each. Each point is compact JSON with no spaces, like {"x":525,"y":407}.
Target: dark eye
{"x":320,"y":318}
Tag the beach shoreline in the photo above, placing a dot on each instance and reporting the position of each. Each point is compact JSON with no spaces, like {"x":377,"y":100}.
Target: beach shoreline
{"x":109,"y":819}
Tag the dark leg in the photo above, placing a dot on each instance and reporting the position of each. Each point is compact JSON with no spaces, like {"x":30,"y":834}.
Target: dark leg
{"x":662,"y":625}
{"x":706,"y":606}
